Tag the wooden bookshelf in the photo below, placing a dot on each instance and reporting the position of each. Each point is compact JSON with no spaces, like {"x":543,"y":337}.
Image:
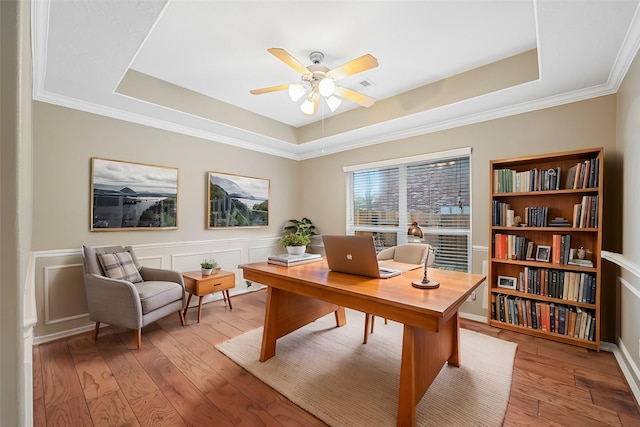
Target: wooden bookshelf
{"x":533,"y":287}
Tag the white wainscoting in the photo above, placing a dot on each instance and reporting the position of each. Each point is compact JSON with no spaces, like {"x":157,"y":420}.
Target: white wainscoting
{"x":57,"y":282}
{"x":626,"y":360}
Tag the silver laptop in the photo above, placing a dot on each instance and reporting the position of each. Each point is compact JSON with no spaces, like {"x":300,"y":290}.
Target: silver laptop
{"x":355,"y":255}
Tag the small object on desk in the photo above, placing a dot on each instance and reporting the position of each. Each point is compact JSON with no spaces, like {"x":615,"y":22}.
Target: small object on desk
{"x":195,"y":283}
{"x":425,"y":283}
{"x":291,"y":260}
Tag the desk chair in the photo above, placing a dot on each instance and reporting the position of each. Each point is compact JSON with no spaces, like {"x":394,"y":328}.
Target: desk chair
{"x":120,"y":292}
{"x":401,"y":257}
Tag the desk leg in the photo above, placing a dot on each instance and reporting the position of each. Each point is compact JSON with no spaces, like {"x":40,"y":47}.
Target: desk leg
{"x":423,"y":355}
{"x":285,"y":312}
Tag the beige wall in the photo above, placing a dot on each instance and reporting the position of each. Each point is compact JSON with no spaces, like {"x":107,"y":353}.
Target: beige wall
{"x":579,"y":125}
{"x":65,"y":140}
{"x":628,"y":261}
{"x":574,"y":126}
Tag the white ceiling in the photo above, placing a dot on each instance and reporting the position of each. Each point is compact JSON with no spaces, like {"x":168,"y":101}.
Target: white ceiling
{"x":82,"y":50}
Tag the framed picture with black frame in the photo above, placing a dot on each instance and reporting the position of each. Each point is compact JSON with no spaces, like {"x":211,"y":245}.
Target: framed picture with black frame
{"x":543,"y":253}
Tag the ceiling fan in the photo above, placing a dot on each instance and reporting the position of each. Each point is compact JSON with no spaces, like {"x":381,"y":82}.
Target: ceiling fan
{"x":319,"y":81}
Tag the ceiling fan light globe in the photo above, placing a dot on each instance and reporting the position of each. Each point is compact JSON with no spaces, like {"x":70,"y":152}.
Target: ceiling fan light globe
{"x":326,"y":86}
{"x":333,"y":102}
{"x":307,"y":107}
{"x":296,"y":91}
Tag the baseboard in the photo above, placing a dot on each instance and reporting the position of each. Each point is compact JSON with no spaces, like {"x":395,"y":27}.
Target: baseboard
{"x":474,"y":317}
{"x":626,"y":364}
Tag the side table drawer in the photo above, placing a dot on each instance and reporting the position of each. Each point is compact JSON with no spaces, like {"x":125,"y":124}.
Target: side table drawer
{"x":204,"y":287}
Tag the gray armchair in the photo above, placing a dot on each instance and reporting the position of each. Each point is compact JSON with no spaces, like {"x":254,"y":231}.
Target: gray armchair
{"x":401,"y":257}
{"x":122,"y":293}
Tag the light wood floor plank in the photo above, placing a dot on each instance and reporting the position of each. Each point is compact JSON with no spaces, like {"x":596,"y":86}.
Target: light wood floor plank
{"x":192,"y":405}
{"x":60,"y":380}
{"x":95,"y":376}
{"x":112,"y":409}
{"x":134,"y":381}
{"x":179,"y":378}
{"x":71,"y":412}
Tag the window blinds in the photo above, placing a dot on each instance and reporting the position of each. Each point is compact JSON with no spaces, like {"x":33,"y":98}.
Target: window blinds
{"x":382,"y":201}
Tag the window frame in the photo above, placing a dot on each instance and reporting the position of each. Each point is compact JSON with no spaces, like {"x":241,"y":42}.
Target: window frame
{"x":400,"y":230}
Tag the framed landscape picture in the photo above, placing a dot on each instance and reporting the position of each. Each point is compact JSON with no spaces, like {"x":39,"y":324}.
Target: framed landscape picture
{"x":237,"y":201}
{"x":132,"y":196}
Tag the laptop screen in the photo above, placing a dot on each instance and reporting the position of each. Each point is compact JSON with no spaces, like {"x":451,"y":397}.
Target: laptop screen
{"x":354,"y":255}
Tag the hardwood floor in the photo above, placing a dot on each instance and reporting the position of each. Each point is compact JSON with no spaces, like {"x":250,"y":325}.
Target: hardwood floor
{"x":178,"y":378}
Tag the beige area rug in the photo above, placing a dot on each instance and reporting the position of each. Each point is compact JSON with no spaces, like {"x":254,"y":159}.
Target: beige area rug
{"x":330,"y":373}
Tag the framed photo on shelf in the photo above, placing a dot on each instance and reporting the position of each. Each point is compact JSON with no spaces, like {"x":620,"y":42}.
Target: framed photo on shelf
{"x":236,"y":201}
{"x":543,"y":253}
{"x":507,"y":282}
{"x":132,"y":196}
{"x":529,"y":256}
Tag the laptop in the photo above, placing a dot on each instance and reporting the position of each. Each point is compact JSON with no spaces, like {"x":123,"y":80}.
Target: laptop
{"x":355,"y":255}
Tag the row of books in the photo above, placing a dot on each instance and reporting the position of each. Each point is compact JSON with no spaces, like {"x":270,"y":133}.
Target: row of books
{"x":566,"y":285}
{"x":560,"y":248}
{"x":564,"y":320}
{"x":509,"y":180}
{"x":585,"y":214}
{"x":509,"y":246}
{"x":584,"y":174}
{"x":502,"y":214}
{"x":537,"y":216}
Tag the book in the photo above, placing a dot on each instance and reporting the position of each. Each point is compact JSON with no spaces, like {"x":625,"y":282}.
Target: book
{"x":571,"y":177}
{"x":290,"y":260}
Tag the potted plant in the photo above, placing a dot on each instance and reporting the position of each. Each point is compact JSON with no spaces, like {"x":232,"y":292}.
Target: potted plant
{"x":209,"y":266}
{"x":303,"y":226}
{"x":296,"y":244}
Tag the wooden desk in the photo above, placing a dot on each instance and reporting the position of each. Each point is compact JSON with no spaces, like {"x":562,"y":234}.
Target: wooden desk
{"x":197,"y":284}
{"x":299,"y":295}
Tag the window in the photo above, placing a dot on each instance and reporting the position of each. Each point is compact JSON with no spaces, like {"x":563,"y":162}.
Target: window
{"x":435,"y":190}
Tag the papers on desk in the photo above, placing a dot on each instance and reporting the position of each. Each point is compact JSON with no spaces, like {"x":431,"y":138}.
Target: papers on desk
{"x":291,"y":260}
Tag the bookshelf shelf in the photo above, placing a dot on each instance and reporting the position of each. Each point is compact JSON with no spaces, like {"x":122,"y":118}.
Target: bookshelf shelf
{"x":540,"y":264}
{"x":552,"y":298}
{"x":548,"y":229}
{"x":549,"y":335}
{"x":548,"y":192}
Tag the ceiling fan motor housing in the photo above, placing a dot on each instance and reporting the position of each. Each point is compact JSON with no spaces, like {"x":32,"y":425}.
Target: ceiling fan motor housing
{"x":316,"y":57}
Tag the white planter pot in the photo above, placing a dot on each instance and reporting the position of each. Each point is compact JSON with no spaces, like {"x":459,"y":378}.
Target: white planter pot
{"x":296,"y":250}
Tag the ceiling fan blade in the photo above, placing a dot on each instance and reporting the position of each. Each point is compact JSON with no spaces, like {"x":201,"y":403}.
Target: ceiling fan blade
{"x":353,"y":96}
{"x":358,"y":65}
{"x":269,"y":89}
{"x":292,"y":62}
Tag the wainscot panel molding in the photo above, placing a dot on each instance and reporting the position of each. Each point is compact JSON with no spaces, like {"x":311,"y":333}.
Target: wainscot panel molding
{"x":55,"y":278}
{"x":64,"y":297}
{"x":627,"y":349}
